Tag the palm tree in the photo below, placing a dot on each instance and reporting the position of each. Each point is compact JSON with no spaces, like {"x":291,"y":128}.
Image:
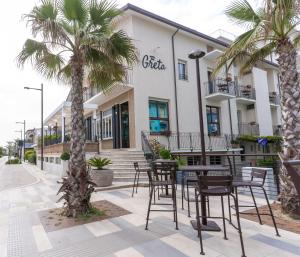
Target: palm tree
{"x":78,"y":41}
{"x":272,"y":29}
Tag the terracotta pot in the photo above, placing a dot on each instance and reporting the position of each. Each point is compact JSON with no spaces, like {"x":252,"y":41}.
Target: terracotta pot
{"x":102,"y":178}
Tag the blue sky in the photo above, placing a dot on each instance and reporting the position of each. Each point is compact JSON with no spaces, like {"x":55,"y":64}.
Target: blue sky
{"x":16,"y":104}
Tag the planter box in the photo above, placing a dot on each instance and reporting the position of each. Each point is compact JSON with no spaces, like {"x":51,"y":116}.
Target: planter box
{"x":102,"y":178}
{"x":65,"y":167}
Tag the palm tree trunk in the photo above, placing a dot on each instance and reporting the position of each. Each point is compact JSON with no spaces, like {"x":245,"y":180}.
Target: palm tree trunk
{"x":78,"y":190}
{"x":290,"y":104}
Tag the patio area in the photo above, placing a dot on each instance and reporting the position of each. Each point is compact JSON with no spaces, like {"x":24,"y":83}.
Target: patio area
{"x":22,"y":233}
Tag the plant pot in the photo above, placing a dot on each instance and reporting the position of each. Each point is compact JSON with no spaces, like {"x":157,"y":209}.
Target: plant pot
{"x":102,"y":178}
{"x":65,"y":168}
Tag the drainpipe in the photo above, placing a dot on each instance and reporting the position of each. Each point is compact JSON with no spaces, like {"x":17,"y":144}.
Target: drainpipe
{"x":175,"y":88}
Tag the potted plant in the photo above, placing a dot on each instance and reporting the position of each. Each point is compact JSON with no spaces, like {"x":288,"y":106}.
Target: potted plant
{"x":100,"y":176}
{"x":65,"y":157}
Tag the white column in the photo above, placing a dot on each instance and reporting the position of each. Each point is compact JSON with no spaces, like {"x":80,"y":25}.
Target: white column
{"x":62,"y":125}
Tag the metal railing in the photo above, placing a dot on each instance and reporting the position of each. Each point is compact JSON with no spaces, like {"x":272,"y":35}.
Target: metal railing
{"x":245,"y":92}
{"x":190,"y":141}
{"x":147,"y":148}
{"x":219,"y":85}
{"x":274,"y":98}
{"x":248,"y":129}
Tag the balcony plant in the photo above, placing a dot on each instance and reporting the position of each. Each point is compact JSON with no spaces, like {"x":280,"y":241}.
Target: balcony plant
{"x":235,"y":143}
{"x":100,"y":176}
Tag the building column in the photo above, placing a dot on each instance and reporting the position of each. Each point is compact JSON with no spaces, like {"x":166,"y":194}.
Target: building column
{"x":63,"y":121}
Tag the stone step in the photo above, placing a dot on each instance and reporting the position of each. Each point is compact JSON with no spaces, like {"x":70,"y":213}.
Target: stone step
{"x":129,"y":179}
{"x":125,"y":166}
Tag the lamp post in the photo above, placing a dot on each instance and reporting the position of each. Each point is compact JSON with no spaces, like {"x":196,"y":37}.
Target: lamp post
{"x":196,"y":55}
{"x":42,"y":121}
{"x":20,"y":154}
{"x":24,"y":124}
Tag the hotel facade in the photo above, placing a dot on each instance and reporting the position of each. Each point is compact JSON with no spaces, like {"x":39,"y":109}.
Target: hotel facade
{"x":159,"y":98}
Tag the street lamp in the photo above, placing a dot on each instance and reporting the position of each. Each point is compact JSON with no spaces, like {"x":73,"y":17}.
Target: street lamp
{"x":24,"y":124}
{"x":196,"y":55}
{"x":20,"y":131}
{"x":42,"y":121}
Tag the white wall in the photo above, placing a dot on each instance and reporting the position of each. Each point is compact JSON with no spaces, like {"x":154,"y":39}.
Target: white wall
{"x":263,"y":110}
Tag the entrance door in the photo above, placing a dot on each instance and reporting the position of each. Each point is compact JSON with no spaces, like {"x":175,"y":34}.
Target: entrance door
{"x":125,"y":143}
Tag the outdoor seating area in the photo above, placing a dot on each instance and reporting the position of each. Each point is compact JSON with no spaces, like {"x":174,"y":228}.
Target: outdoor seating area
{"x":200,"y":186}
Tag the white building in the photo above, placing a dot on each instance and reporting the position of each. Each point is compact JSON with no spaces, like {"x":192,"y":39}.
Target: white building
{"x":160,"y":96}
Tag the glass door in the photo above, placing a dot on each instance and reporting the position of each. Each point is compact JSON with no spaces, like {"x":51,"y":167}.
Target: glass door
{"x":125,"y":141}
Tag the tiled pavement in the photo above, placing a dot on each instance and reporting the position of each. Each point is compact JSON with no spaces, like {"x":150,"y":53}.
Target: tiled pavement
{"x":21,"y":232}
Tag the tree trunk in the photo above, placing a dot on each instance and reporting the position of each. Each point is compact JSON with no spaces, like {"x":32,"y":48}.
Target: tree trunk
{"x":290,"y":104}
{"x":77,"y":187}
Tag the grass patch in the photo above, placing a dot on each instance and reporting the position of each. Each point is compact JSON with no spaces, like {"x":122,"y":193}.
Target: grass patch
{"x":93,"y":212}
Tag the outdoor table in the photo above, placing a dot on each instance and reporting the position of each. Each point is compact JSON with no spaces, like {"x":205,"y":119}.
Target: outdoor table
{"x":158,"y":161}
{"x":206,"y":225}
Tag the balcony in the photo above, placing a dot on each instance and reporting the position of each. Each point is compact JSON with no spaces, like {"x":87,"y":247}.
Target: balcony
{"x":274,"y":99}
{"x":249,"y":129}
{"x":245,"y":94}
{"x":90,"y":92}
{"x":219,"y":89}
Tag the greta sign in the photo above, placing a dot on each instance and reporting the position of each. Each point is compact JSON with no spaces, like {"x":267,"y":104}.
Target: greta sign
{"x":151,"y":62}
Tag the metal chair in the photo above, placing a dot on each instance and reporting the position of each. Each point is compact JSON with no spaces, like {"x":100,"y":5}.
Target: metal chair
{"x":138,"y":171}
{"x":258,"y":177}
{"x":217,"y":186}
{"x":163,"y":175}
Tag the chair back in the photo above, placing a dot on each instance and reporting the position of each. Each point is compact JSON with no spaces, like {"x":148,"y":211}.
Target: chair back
{"x":206,"y":181}
{"x":164,"y":171}
{"x":258,"y":174}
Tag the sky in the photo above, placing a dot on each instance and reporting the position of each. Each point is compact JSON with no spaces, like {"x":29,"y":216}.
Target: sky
{"x":17,"y":104}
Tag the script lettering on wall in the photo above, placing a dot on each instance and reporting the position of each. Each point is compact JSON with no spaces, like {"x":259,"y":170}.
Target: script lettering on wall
{"x":151,"y":62}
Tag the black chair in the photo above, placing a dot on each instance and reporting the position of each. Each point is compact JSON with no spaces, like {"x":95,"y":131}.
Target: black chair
{"x":163,"y":177}
{"x":138,"y":171}
{"x":189,"y":180}
{"x":258,"y":177}
{"x":217,"y":186}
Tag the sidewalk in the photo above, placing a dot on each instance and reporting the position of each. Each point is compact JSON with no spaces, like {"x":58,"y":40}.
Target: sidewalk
{"x":22,"y":234}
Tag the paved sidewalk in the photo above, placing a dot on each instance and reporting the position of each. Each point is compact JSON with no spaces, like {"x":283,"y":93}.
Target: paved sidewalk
{"x":22,"y":235}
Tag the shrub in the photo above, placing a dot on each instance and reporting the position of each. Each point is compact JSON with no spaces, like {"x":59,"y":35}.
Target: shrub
{"x":268,"y":162}
{"x":65,"y":156}
{"x":32,"y":158}
{"x":165,"y":154}
{"x":99,"y":163}
{"x":28,"y":153}
{"x":13,"y":161}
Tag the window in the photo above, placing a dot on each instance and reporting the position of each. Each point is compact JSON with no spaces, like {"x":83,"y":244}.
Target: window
{"x":182,"y":70}
{"x":215,"y":160}
{"x":194,"y":160}
{"x":213,"y":120}
{"x":107,"y":124}
{"x":158,"y":116}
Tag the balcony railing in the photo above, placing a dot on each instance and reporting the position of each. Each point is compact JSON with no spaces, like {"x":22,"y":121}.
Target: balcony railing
{"x":274,"y":98}
{"x":248,"y":129}
{"x":245,"y":92}
{"x":219,"y":85}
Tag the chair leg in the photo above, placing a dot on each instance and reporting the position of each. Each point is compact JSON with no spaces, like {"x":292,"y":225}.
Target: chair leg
{"x":254,"y":201}
{"x":149,"y":206}
{"x":182,"y":193}
{"x":134,"y":184}
{"x":188,"y":199}
{"x":198,"y":223}
{"x":137,"y":183}
{"x":229,"y":210}
{"x":238,"y":222}
{"x":175,"y":205}
{"x":208,"y":207}
{"x":271,"y":212}
{"x":223,"y":218}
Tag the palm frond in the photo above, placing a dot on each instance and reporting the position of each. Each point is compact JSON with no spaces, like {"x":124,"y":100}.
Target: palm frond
{"x":45,"y":62}
{"x":258,"y":55}
{"x":242,"y":13}
{"x":75,"y":10}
